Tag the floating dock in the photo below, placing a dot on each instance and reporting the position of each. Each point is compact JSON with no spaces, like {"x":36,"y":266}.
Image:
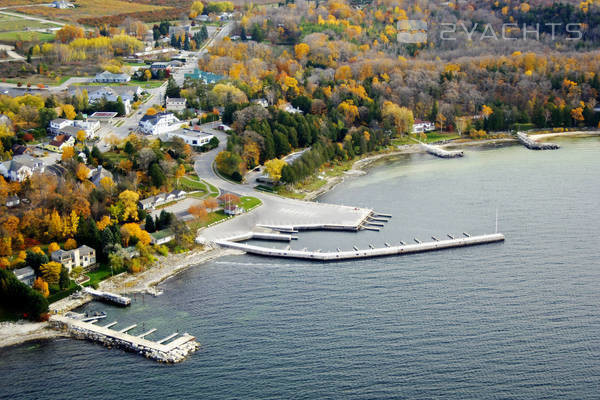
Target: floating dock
{"x":172,"y":352}
{"x":533,"y":144}
{"x":364,"y":253}
{"x":441,"y":153}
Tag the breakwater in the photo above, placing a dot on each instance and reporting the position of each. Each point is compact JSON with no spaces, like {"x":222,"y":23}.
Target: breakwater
{"x":441,"y":153}
{"x":533,"y":144}
{"x":172,"y":352}
{"x":390,"y":250}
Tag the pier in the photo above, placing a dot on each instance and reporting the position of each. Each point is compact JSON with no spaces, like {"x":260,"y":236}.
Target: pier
{"x":418,"y":247}
{"x":533,"y":144}
{"x":441,"y":153}
{"x":172,"y":352}
{"x":109,"y":297}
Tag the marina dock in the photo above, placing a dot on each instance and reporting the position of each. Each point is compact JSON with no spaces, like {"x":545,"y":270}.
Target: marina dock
{"x":171,"y":352}
{"x":365,"y":253}
{"x":533,"y":144}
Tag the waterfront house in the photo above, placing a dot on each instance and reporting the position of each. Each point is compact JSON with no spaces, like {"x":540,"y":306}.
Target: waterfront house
{"x":109,"y":77}
{"x":420,"y":126}
{"x":25,"y":275}
{"x":161,"y":237}
{"x":159,"y":123}
{"x":83,"y":256}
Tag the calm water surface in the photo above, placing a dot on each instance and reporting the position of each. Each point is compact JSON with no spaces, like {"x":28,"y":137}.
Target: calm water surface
{"x":517,"y":320}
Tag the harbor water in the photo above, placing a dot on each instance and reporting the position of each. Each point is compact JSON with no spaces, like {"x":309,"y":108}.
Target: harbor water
{"x":512,"y":320}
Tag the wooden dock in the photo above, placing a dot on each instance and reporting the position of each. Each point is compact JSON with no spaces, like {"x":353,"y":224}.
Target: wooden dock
{"x":365,"y":253}
{"x":533,"y":144}
{"x":172,"y":352}
{"x":109,"y":297}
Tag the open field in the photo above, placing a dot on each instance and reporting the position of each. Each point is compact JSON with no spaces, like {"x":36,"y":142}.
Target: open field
{"x":12,"y":37}
{"x":10,"y":23}
{"x":90,"y":9}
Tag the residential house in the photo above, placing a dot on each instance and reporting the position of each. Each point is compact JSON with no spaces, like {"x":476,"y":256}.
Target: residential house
{"x":420,"y":126}
{"x":83,"y":256}
{"x":161,"y":237}
{"x":202,"y":18}
{"x":160,"y":199}
{"x":5,"y":120}
{"x":62,"y":4}
{"x":157,"y":66}
{"x":19,"y":149}
{"x":71,"y":127}
{"x":287,"y":107}
{"x":109,"y":77}
{"x":191,"y":136}
{"x":159,"y":123}
{"x":59,"y":143}
{"x":12,"y":201}
{"x":128,"y":94}
{"x":21,"y":167}
{"x":25,"y":275}
{"x":179,"y":29}
{"x":176,"y":103}
{"x":103,"y":116}
{"x":261,"y":102}
{"x":98,"y":173}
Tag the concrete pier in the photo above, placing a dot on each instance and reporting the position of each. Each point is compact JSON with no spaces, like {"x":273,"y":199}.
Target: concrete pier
{"x":367,"y":253}
{"x":109,"y":297}
{"x":143,"y":335}
{"x":171,"y":336}
{"x":130,"y":327}
{"x":173,"y":352}
{"x":439,"y":152}
{"x":533,"y":144}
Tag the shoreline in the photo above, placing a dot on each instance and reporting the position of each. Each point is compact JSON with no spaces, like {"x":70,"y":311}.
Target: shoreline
{"x":15,"y":333}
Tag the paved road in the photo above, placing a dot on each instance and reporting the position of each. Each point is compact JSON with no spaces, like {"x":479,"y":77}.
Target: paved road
{"x":275,"y":210}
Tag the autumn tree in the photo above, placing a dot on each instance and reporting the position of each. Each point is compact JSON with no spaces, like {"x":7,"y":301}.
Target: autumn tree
{"x":70,"y":244}
{"x":69,"y":33}
{"x":81,"y":135}
{"x":41,"y":286}
{"x":399,"y":117}
{"x":210,"y":203}
{"x":129,"y":202}
{"x":51,"y":271}
{"x":69,"y":111}
{"x":301,"y":50}
{"x":68,"y":153}
{"x":133,"y":230}
{"x":274,"y":167}
{"x":198,"y":211}
{"x":52,"y":247}
{"x":82,"y":172}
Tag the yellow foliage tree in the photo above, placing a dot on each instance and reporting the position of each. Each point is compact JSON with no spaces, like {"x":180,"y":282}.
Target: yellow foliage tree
{"x":41,"y":286}
{"x":301,"y":50}
{"x":82,"y":172}
{"x":81,"y":136}
{"x":103,"y":223}
{"x":52,"y":247}
{"x":129,"y":202}
{"x":133,"y":230}
{"x":51,"y":271}
{"x":274,"y":167}
{"x":68,"y":153}
{"x":107,"y":183}
{"x":70,"y":244}
{"x":180,"y":172}
{"x":69,"y":111}
{"x":401,"y":117}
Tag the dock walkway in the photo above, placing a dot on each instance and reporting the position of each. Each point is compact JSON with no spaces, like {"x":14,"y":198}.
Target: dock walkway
{"x":366,"y":253}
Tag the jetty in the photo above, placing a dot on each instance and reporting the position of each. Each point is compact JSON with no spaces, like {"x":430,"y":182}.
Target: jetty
{"x":401,"y":249}
{"x":370,"y":221}
{"x":441,"y":153}
{"x":109,"y":297}
{"x":533,"y":144}
{"x":171,"y":352}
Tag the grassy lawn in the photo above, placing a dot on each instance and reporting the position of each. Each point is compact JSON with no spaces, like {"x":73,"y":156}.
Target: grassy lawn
{"x":210,"y":219}
{"x":247,"y":202}
{"x":100,"y":274}
{"x":26,"y":36}
{"x":9,"y":23}
{"x":116,"y":158}
{"x":188,"y":183}
{"x":437,"y":136}
{"x":35,"y":79}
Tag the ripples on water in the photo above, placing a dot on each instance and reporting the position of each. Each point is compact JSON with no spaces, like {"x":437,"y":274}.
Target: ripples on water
{"x":512,"y":320}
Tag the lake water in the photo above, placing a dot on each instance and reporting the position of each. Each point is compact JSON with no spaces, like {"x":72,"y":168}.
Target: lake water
{"x":515,"y":320}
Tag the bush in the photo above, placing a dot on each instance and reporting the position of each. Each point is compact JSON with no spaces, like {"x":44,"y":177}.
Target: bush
{"x":236,"y":176}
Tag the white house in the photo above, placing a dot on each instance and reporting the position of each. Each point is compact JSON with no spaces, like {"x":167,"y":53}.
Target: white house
{"x":83,"y":256}
{"x":21,"y":167}
{"x":287,"y":107}
{"x":176,"y":103}
{"x":159,"y":123}
{"x":25,"y":275}
{"x":111,"y":93}
{"x":71,"y":127}
{"x":109,"y":77}
{"x":160,"y":199}
{"x":420,"y":126}
{"x":161,"y":237}
{"x":189,"y":136}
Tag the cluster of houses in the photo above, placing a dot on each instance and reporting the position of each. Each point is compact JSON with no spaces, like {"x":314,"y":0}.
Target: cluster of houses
{"x":96,"y":94}
{"x":420,"y":126}
{"x":162,"y":199}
